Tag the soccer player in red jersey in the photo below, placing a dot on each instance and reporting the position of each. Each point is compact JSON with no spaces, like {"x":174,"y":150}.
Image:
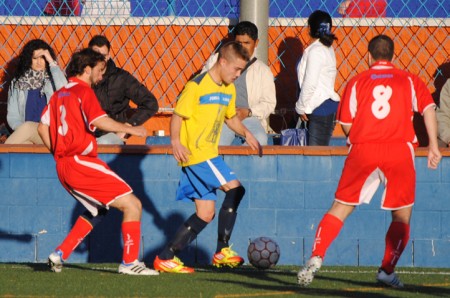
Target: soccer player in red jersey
{"x":67,"y":126}
{"x":376,"y":114}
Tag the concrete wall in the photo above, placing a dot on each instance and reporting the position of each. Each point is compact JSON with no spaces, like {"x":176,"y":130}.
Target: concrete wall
{"x":287,"y":194}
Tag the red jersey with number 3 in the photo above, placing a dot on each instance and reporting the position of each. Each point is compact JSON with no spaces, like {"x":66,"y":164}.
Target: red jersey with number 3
{"x":70,"y":114}
{"x":379,"y":106}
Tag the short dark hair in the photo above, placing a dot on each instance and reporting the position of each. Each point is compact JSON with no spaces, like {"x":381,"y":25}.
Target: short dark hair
{"x":82,"y":59}
{"x":232,"y":50}
{"x":246,"y":28}
{"x":381,"y":47}
{"x":99,"y":41}
{"x":320,"y":24}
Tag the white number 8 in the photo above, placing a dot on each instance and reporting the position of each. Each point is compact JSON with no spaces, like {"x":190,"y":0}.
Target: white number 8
{"x":381,"y":107}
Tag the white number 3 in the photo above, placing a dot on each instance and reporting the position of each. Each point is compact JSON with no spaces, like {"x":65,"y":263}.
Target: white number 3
{"x":381,"y":107}
{"x":63,"y":128}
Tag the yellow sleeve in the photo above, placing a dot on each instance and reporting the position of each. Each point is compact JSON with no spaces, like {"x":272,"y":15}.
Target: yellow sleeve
{"x":231,"y":109}
{"x":187,"y":101}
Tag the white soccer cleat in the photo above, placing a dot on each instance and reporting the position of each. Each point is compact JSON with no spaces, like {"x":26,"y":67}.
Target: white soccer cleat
{"x":391,"y":280}
{"x":306,"y":275}
{"x":55,"y":261}
{"x":136,"y":268}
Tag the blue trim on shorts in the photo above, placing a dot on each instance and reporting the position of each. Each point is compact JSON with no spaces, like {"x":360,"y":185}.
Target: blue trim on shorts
{"x":201,"y":181}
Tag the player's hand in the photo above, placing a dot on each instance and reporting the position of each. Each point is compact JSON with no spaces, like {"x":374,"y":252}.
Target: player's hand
{"x":139,"y":131}
{"x":45,"y":54}
{"x":180,"y":153}
{"x":303,"y":117}
{"x":434,"y":157}
{"x":253,"y":143}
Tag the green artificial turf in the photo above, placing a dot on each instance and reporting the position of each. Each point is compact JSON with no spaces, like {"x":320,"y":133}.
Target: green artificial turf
{"x":101,"y":280}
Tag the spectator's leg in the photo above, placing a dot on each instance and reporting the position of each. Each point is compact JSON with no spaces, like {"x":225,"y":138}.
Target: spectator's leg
{"x":227,"y":136}
{"x":320,"y":129}
{"x":254,"y":126}
{"x":25,"y":134}
{"x":109,"y":139}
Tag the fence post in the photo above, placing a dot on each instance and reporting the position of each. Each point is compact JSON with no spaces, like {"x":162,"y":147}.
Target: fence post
{"x":257,"y":12}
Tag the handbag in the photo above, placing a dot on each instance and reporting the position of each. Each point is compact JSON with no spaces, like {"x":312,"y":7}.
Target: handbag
{"x":297,"y":136}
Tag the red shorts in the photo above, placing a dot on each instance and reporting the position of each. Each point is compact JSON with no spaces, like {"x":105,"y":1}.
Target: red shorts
{"x":91,"y":181}
{"x":367,"y":165}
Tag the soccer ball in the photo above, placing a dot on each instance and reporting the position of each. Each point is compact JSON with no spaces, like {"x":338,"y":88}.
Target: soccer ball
{"x":263,"y":253}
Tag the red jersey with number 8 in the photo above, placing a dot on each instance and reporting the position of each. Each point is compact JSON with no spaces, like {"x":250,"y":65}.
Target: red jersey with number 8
{"x":70,"y":114}
{"x":380,"y":108}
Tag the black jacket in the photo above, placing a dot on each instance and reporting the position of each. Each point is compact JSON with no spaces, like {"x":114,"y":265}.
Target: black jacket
{"x":115,"y":91}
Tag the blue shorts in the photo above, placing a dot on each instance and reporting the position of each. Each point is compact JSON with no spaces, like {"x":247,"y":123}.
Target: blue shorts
{"x":201,"y":181}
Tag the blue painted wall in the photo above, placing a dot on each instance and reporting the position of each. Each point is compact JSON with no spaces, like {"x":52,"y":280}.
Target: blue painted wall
{"x":286,"y":198}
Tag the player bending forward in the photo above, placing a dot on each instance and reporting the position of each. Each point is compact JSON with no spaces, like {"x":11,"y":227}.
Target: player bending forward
{"x":376,"y":114}
{"x":67,"y":126}
{"x":206,"y":102}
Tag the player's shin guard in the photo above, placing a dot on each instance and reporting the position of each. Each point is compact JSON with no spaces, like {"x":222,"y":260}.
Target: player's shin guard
{"x":76,"y":235}
{"x":185,"y":235}
{"x":131,"y":235}
{"x":227,"y":216}
{"x":397,"y":237}
{"x":327,"y":231}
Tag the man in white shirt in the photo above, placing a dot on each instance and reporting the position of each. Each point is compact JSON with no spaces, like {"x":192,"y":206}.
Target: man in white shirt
{"x":255,"y":88}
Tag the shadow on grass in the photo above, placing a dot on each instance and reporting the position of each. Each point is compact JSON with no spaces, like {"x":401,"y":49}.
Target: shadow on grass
{"x":42,"y":267}
{"x":275,"y":281}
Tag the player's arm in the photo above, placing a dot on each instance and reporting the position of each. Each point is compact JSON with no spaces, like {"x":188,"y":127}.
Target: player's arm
{"x":180,"y":153}
{"x":434,"y":155}
{"x":236,"y":125}
{"x":110,"y":125}
{"x":44,"y":133}
{"x":346,"y":128}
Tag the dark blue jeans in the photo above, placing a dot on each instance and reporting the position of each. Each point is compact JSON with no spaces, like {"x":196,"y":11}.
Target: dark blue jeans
{"x":322,"y":122}
{"x":320,"y":129}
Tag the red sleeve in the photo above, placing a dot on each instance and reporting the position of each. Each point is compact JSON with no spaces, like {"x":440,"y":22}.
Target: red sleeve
{"x":91,"y":107}
{"x":347,"y":105}
{"x":421,"y":95}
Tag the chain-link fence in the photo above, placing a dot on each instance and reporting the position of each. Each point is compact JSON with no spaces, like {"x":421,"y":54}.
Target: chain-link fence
{"x":165,"y":42}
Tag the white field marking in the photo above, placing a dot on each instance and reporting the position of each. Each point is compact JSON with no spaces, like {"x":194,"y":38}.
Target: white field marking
{"x":334,"y":271}
{"x":26,"y":267}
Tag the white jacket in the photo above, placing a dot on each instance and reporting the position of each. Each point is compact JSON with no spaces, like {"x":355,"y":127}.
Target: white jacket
{"x":316,"y":74}
{"x":443,"y":114}
{"x":260,"y":88}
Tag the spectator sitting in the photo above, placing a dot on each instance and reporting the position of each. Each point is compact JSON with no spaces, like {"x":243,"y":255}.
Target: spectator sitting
{"x":63,"y":7}
{"x":443,"y":116}
{"x":255,"y":88}
{"x":115,"y":91}
{"x":37,"y":77}
{"x":363,"y":8}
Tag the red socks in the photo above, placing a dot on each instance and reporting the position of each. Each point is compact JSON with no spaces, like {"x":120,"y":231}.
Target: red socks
{"x":327,"y":231}
{"x":131,"y":234}
{"x":79,"y":231}
{"x":397,"y":237}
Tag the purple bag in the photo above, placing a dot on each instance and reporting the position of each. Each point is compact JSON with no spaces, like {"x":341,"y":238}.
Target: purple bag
{"x":297,"y":136}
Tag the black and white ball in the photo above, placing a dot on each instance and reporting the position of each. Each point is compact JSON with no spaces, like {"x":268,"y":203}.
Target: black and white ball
{"x":263,"y":253}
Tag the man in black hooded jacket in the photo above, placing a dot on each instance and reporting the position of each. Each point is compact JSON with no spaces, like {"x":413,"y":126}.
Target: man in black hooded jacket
{"x":115,"y":91}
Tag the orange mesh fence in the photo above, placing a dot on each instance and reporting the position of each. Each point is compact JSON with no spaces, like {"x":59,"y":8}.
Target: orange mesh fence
{"x":165,"y":55}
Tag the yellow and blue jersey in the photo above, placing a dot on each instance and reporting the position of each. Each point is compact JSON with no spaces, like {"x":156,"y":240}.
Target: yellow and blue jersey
{"x":204,"y":105}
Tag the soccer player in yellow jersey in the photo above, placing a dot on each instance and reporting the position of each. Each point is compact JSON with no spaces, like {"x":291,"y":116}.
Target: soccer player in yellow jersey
{"x":204,"y":105}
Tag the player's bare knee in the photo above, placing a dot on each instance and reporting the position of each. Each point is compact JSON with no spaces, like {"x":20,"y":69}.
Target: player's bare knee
{"x":206,"y":216}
